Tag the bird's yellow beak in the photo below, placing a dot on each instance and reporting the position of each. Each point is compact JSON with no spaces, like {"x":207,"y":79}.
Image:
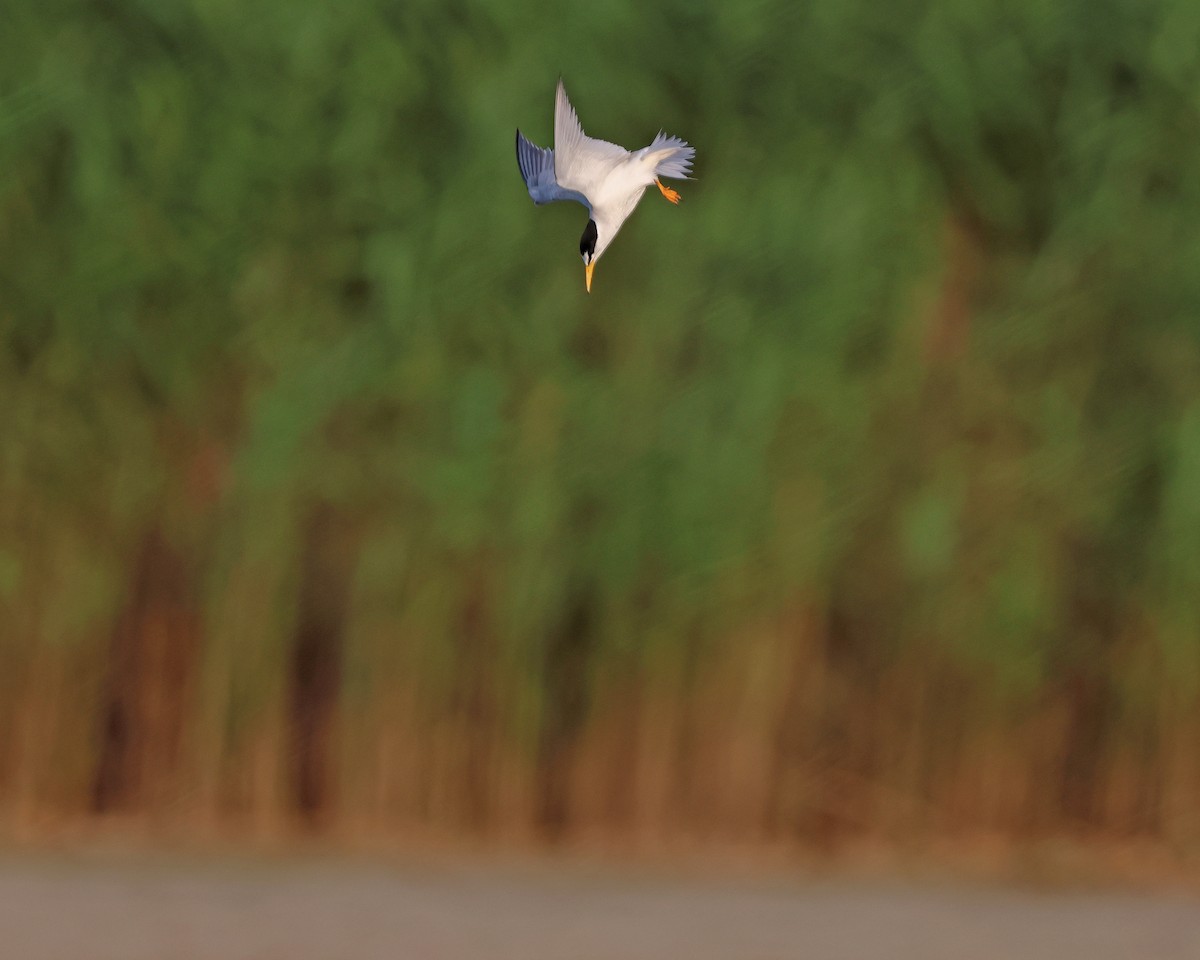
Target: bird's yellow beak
{"x":587,"y":275}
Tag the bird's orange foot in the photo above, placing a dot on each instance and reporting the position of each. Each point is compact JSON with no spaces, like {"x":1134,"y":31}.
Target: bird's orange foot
{"x":672,"y":195}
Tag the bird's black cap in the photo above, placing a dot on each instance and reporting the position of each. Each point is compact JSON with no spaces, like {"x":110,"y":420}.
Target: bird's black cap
{"x":587,"y":243}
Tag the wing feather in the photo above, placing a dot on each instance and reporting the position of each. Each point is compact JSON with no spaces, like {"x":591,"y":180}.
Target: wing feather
{"x":537,"y":169}
{"x":580,"y":161}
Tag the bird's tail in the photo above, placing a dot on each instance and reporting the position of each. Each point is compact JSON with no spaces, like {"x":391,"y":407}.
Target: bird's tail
{"x":671,"y":156}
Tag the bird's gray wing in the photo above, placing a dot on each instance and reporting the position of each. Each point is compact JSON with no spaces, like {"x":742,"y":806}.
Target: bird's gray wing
{"x":580,"y":162}
{"x":537,"y":167}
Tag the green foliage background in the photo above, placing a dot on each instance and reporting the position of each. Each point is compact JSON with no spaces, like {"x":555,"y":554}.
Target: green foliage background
{"x":920,"y":349}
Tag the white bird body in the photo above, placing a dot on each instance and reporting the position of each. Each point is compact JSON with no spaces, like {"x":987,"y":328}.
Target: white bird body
{"x":606,"y":178}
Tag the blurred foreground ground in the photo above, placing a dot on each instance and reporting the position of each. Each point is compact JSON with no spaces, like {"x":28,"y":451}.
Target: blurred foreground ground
{"x":87,"y":909}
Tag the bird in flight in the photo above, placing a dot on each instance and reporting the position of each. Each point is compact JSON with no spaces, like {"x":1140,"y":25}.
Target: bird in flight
{"x":607,"y":179}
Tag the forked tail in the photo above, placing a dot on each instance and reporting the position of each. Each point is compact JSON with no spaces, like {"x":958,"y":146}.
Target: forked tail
{"x":671,"y":157}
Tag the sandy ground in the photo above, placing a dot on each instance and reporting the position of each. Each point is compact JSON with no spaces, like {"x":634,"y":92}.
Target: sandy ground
{"x":63,"y":909}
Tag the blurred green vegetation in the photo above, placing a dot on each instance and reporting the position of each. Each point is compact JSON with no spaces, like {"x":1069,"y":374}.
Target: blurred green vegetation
{"x":879,"y":455}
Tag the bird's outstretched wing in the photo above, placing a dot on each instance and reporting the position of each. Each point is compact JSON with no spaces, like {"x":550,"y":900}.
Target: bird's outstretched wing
{"x":580,"y":161}
{"x":537,"y":167}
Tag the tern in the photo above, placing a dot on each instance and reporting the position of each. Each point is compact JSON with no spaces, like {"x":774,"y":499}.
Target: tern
{"x":607,"y":179}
